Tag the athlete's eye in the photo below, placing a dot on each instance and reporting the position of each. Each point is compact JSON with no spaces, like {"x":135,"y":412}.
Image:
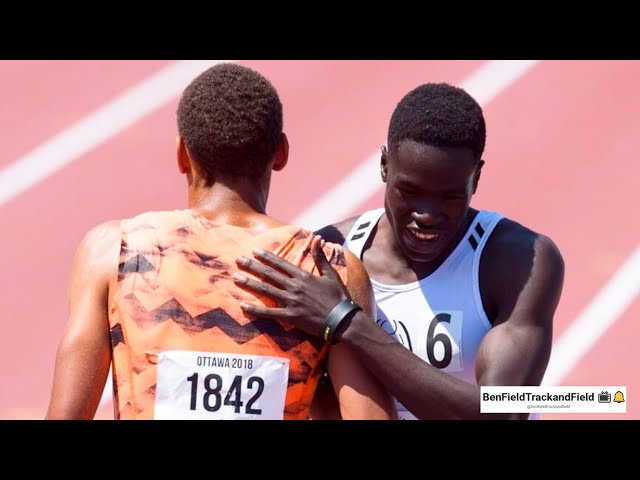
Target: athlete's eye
{"x":406,"y":190}
{"x":453,"y":197}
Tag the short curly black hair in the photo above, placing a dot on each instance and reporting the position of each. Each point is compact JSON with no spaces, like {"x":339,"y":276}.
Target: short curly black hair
{"x":441,"y":115}
{"x":230,"y":118}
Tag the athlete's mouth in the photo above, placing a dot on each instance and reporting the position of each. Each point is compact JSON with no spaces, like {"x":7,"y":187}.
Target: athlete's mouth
{"x":423,"y":236}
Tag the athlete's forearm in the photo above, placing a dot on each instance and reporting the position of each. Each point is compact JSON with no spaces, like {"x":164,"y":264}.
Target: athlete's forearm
{"x":427,"y":392}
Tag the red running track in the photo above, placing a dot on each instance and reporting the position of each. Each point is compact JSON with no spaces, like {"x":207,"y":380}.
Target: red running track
{"x":561,"y":158}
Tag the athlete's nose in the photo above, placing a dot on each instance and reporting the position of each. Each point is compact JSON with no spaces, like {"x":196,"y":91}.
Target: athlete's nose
{"x":428,"y":217}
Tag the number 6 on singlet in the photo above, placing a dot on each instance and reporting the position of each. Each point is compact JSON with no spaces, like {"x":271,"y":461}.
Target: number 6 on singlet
{"x":220,"y":386}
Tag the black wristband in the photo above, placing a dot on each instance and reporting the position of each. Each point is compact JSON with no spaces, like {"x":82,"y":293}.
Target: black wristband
{"x":336,"y":316}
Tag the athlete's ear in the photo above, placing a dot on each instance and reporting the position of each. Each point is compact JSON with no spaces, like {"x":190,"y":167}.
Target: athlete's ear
{"x":184,"y":165}
{"x":476,"y":175}
{"x":281,"y":157}
{"x":383,"y":163}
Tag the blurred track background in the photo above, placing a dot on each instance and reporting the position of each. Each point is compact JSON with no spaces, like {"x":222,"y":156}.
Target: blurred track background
{"x":88,"y":141}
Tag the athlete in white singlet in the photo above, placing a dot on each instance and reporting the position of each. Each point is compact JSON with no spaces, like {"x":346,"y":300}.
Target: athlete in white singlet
{"x":440,"y":318}
{"x":468,"y":296}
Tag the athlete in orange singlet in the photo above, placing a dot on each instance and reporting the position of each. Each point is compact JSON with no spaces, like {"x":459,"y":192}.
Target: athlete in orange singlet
{"x":154,"y":297}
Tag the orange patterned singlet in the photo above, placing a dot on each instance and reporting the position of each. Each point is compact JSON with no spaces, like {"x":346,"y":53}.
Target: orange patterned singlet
{"x":182,"y":347}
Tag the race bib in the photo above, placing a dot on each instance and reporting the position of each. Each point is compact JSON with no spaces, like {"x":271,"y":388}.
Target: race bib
{"x":220,"y":386}
{"x":434,"y":337}
{"x":439,"y":342}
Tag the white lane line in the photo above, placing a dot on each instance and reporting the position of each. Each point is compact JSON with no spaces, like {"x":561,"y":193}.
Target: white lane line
{"x":98,"y":127}
{"x":484,"y":84}
{"x":594,"y":321}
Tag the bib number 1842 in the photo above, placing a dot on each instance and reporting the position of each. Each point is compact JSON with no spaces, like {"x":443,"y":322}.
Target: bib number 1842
{"x":220,"y":386}
{"x":212,"y":396}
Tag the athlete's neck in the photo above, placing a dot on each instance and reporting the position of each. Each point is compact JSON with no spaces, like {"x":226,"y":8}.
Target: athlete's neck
{"x":241,"y":202}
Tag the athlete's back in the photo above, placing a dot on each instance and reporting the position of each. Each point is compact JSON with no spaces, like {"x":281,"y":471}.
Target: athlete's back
{"x":154,"y":297}
{"x":182,"y":347}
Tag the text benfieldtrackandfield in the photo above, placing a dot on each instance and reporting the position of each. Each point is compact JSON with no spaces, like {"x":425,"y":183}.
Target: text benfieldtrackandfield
{"x":533,"y":397}
{"x":544,"y":399}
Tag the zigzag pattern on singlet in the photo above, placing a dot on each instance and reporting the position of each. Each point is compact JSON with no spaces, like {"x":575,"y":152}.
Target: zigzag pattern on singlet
{"x":175,"y":291}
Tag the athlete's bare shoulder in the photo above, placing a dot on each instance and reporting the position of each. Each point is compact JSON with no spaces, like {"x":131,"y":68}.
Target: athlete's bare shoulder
{"x":515,"y":256}
{"x":102,"y":238}
{"x":99,"y":250}
{"x":514,"y":242}
{"x":337,"y":233}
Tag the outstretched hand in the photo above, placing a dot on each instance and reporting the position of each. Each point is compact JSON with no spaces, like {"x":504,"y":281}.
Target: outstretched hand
{"x":304,"y":300}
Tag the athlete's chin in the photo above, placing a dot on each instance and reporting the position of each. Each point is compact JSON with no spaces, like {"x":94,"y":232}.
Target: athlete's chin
{"x":422,"y":257}
{"x":423,"y":251}
{"x":425,"y":254}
